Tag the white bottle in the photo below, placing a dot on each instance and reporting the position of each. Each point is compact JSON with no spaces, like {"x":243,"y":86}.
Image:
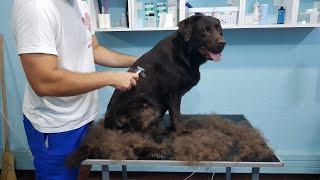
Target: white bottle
{"x":256,"y":13}
{"x":173,"y":9}
{"x":151,"y":21}
{"x":314,"y":16}
{"x":140,"y":14}
{"x":123,"y":20}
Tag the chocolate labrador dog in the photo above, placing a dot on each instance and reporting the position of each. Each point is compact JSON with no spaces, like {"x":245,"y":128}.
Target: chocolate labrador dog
{"x":171,"y":69}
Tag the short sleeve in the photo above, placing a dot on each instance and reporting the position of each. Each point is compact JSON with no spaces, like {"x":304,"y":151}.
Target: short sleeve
{"x":34,"y":28}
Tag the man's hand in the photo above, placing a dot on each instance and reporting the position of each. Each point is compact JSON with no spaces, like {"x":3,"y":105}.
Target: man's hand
{"x":125,"y":80}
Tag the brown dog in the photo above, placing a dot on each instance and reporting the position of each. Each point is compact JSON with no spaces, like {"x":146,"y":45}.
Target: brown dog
{"x":171,"y":70}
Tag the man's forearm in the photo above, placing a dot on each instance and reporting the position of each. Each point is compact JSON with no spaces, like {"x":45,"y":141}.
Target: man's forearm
{"x":109,"y":58}
{"x":66,"y":83}
{"x":47,"y":79}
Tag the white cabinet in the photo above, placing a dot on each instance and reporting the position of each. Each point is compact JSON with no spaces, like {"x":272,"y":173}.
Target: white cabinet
{"x":233,"y":14}
{"x":308,"y":12}
{"x":140,"y":23}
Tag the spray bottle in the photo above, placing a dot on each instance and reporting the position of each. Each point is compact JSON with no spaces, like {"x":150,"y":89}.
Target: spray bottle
{"x":281,"y":15}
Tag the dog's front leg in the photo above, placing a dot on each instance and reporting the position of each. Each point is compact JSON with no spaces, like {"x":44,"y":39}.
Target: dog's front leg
{"x":174,"y":111}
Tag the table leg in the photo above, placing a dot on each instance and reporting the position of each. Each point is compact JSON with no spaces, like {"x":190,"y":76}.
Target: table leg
{"x":124,"y":172}
{"x":105,"y":172}
{"x":255,"y":173}
{"x":228,"y":173}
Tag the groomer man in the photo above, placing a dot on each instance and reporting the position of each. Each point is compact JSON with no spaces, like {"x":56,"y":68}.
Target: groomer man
{"x":58,"y":52}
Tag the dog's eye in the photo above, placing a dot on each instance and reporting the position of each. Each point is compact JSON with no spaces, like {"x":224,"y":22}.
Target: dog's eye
{"x":208,"y":29}
{"x":204,"y":31}
{"x":218,"y":26}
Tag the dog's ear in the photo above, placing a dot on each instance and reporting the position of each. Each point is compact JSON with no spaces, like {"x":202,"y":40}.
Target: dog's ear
{"x":185,"y":28}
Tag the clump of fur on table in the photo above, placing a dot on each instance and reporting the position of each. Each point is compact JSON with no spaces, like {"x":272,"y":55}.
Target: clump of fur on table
{"x":200,"y":138}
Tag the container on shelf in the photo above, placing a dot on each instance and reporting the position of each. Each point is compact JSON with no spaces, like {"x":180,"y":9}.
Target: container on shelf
{"x":204,"y":11}
{"x":226,"y":15}
{"x":104,"y":20}
{"x":310,"y":16}
{"x":308,"y":12}
{"x":149,"y":16}
{"x":255,"y":16}
{"x":161,"y":11}
{"x":151,"y":21}
{"x":173,"y":10}
{"x":140,"y":13}
{"x":314,"y":16}
{"x":264,"y":8}
{"x":281,"y":15}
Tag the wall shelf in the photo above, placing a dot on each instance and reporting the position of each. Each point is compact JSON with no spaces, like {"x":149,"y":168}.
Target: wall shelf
{"x":282,"y":26}
{"x":294,"y":11}
{"x":113,"y":29}
{"x":156,"y":29}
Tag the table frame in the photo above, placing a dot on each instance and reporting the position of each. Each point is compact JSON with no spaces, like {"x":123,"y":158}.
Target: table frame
{"x":228,"y":165}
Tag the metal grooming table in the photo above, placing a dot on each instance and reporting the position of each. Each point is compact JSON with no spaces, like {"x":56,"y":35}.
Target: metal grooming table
{"x":225,"y":164}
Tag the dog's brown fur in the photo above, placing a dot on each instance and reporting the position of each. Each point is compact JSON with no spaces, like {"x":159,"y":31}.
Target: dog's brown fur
{"x":202,"y":138}
{"x":216,"y":139}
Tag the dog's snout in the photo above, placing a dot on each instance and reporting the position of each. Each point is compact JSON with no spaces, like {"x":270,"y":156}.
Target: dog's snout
{"x":221,"y":44}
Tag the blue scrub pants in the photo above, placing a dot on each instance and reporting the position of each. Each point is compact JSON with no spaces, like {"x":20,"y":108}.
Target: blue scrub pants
{"x":50,"y":150}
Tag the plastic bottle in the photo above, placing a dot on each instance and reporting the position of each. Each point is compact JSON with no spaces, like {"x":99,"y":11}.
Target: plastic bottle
{"x":281,"y":15}
{"x":123,"y":20}
{"x":161,"y":9}
{"x":314,"y":16}
{"x":152,"y":21}
{"x":263,"y":13}
{"x":256,"y":12}
{"x":173,"y":9}
{"x":149,"y":9}
{"x":140,"y":14}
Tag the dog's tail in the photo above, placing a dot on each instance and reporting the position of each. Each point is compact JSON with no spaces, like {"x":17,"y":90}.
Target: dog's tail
{"x":88,"y":147}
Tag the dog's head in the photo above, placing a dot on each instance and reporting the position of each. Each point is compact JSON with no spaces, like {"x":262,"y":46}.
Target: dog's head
{"x":204,"y":37}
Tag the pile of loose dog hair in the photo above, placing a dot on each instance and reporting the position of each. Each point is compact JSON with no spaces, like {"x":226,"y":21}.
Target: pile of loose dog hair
{"x":198,"y":138}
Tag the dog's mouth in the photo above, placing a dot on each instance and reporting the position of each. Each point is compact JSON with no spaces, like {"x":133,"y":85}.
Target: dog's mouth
{"x":215,"y":56}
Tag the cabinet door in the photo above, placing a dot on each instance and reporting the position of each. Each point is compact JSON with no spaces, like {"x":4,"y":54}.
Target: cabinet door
{"x":228,"y":11}
{"x":267,"y":12}
{"x":117,"y":11}
{"x":308,"y":12}
{"x":165,"y":14}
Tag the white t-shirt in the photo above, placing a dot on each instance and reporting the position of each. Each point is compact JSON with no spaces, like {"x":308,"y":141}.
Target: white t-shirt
{"x":62,"y":28}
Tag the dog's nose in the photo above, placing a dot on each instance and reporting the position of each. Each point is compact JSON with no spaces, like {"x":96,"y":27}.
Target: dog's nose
{"x":221,"y":44}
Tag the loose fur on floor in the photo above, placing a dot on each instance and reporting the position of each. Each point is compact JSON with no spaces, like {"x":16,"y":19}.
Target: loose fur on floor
{"x":202,"y":138}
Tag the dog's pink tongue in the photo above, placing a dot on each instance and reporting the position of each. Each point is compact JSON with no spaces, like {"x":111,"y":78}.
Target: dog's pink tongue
{"x":215,"y":57}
